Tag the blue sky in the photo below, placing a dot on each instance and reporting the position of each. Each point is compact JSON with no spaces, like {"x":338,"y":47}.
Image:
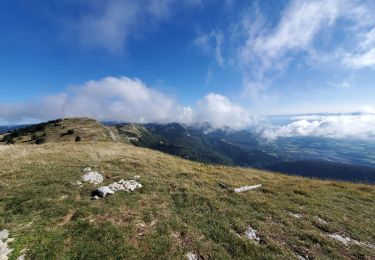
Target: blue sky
{"x":222,"y":61}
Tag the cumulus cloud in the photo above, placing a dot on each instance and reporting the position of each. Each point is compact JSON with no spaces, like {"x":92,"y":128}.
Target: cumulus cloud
{"x":110,"y":98}
{"x":361,"y":126}
{"x":129,"y":100}
{"x":219,"y":111}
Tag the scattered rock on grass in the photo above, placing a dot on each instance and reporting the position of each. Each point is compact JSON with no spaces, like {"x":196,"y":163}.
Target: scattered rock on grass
{"x":321,"y":221}
{"x":116,"y":186}
{"x":77,"y":184}
{"x":130,"y":185}
{"x":191,"y":256}
{"x":341,"y":238}
{"x":4,"y":240}
{"x":91,"y":176}
{"x":346,"y":240}
{"x":4,"y":234}
{"x":246,"y":188}
{"x":295,"y":215}
{"x":103,"y":191}
{"x":251,"y":234}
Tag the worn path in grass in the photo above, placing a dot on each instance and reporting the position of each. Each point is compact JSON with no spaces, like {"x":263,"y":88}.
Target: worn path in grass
{"x":180,"y":209}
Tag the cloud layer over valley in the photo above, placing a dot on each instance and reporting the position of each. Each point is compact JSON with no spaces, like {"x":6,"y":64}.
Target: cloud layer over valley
{"x":358,"y":125}
{"x":130,"y":100}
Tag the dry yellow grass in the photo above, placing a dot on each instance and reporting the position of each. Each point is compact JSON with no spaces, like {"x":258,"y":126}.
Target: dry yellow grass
{"x":180,"y":209}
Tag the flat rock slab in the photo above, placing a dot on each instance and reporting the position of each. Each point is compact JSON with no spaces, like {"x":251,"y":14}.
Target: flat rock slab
{"x":246,"y":188}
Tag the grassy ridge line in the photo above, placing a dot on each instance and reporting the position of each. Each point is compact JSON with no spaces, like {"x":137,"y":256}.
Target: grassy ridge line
{"x":180,"y":209}
{"x":65,"y":130}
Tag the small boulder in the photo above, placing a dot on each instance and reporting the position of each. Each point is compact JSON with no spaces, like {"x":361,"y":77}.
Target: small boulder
{"x":4,"y":234}
{"x":191,"y":256}
{"x":93,"y":177}
{"x":252,"y":234}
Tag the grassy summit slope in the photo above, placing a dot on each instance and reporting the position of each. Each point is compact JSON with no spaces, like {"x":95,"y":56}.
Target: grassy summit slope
{"x":64,"y":130}
{"x":180,"y":208}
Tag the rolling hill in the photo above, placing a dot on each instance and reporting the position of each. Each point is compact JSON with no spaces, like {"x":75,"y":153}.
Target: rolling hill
{"x":185,"y":208}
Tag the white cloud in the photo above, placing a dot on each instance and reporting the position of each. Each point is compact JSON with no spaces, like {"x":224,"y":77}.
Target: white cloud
{"x":361,"y":126}
{"x":110,"y":98}
{"x":111,"y":24}
{"x":342,"y":84}
{"x":211,"y":44}
{"x":361,"y":60}
{"x":130,"y":100}
{"x":305,"y":33}
{"x":220,"y":112}
{"x":299,"y":25}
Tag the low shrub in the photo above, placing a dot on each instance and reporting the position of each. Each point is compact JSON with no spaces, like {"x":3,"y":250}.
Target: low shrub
{"x":40,"y":140}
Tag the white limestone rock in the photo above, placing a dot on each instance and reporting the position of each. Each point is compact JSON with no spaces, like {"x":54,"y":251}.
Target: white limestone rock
{"x":251,"y":234}
{"x":21,"y":257}
{"x":116,"y":186}
{"x":343,"y":239}
{"x":4,"y":234}
{"x":191,"y":256}
{"x":246,"y":188}
{"x":295,"y":215}
{"x":130,"y":185}
{"x":4,"y":240}
{"x":346,"y":240}
{"x":321,"y":221}
{"x":93,"y":177}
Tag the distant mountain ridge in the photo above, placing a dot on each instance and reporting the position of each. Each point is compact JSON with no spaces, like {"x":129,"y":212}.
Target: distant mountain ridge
{"x":239,"y":148}
{"x":309,"y":157}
